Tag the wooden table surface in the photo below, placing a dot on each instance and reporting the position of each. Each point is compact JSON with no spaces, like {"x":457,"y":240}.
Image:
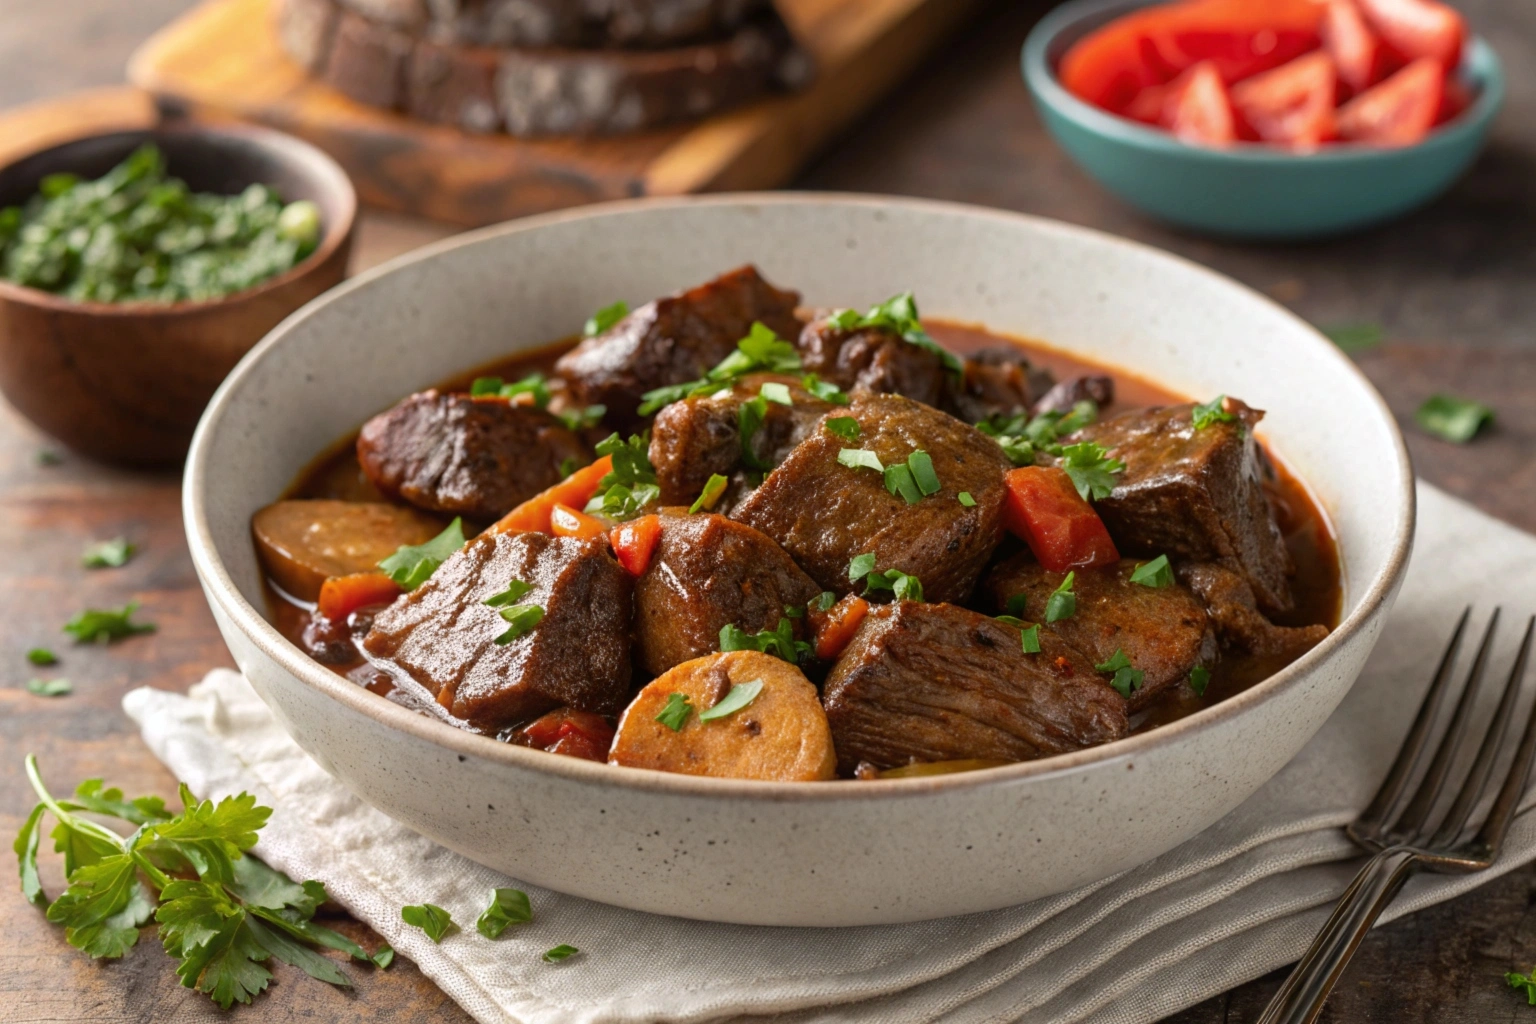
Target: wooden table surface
{"x":1453,"y":286}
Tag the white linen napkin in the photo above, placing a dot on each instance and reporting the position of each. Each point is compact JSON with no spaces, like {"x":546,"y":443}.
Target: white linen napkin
{"x":1240,"y":899}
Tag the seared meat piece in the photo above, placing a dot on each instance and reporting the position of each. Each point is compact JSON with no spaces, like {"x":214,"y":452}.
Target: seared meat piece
{"x":1234,"y":612}
{"x":475,"y":457}
{"x":936,"y":682}
{"x":1194,"y":495}
{"x":443,"y":634}
{"x":1098,"y":389}
{"x":998,"y":381}
{"x":872,"y":359}
{"x":672,"y":340}
{"x":824,"y":513}
{"x":697,"y":437}
{"x":1162,"y":630}
{"x":709,"y":572}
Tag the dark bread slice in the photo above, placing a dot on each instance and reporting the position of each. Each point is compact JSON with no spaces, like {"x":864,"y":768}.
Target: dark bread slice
{"x":502,"y":23}
{"x":368,"y":61}
{"x":408,"y":15}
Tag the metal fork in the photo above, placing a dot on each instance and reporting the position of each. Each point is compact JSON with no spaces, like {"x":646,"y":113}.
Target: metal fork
{"x":1406,"y":837}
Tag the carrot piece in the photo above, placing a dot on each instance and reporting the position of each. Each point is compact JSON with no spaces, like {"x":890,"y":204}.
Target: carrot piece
{"x":340,"y":596}
{"x":1064,"y":532}
{"x":835,"y":626}
{"x":532,"y":516}
{"x":635,"y":542}
{"x":565,"y":521}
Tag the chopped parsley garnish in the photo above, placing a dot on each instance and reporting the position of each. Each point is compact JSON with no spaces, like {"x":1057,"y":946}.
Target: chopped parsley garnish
{"x":42,"y":656}
{"x":1126,"y":679}
{"x":50,"y":687}
{"x":860,"y":566}
{"x":760,"y":351}
{"x":508,"y":907}
{"x":221,"y":912}
{"x":533,"y":384}
{"x":1062,"y":604}
{"x":773,"y":391}
{"x":581,"y":419}
{"x":824,"y":389}
{"x":108,"y":554}
{"x":675,"y":712}
{"x":1019,"y":451}
{"x":605,"y":318}
{"x":1354,"y":338}
{"x":860,"y":458}
{"x":1012,"y":620}
{"x":1021,"y":437}
{"x":739,"y":697}
{"x":903,"y":586}
{"x":560,"y":952}
{"x":1015,"y":605}
{"x":921,"y":466}
{"x":749,"y":419}
{"x":845,"y":427}
{"x":1453,"y":419}
{"x":630,"y":486}
{"x":823,"y":601}
{"x":430,"y":918}
{"x":520,"y":619}
{"x":1523,"y":983}
{"x":713,"y":488}
{"x":795,"y":611}
{"x":1199,"y":679}
{"x":1155,"y":573}
{"x":1029,"y":639}
{"x":1207,"y":413}
{"x":898,"y":480}
{"x":484,"y":386}
{"x":964,"y":497}
{"x":898,"y":315}
{"x":779,"y":641}
{"x":412,"y":565}
{"x":1091,"y":469}
{"x":515,"y":592}
{"x":95,"y":625}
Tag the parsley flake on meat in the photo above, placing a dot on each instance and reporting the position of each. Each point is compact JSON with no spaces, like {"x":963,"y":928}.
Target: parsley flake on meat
{"x":674,"y":714}
{"x":1155,"y":573}
{"x":430,"y":918}
{"x":1199,"y":679}
{"x":1029,"y":639}
{"x":1091,"y":469}
{"x":103,"y":626}
{"x":508,"y":907}
{"x":630,"y":487}
{"x":1126,"y":679}
{"x":749,"y":419}
{"x":1062,"y":604}
{"x":604,"y":318}
{"x":713,"y":488}
{"x":898,"y":315}
{"x":824,"y":389}
{"x":903,"y":586}
{"x":845,"y":427}
{"x":533,"y":385}
{"x":413,"y":564}
{"x":761,"y":351}
{"x":515,"y":592}
{"x":1021,"y":437}
{"x":1212,"y":412}
{"x":898,"y":480}
{"x":860,"y":458}
{"x":521,"y":620}
{"x":824,"y":601}
{"x":776,"y":392}
{"x":581,"y":419}
{"x":740,"y":696}
{"x":964,"y":497}
{"x":779,"y":641}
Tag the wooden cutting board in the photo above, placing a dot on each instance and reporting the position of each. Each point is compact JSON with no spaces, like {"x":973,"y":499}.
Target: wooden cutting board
{"x":223,"y":59}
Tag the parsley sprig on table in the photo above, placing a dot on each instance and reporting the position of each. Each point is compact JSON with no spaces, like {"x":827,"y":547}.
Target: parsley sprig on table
{"x":222,"y":914}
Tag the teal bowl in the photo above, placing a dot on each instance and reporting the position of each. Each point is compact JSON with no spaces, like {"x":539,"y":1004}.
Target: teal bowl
{"x":1251,"y":190}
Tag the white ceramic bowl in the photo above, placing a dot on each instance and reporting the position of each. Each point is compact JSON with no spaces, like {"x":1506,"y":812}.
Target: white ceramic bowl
{"x":839,"y":853}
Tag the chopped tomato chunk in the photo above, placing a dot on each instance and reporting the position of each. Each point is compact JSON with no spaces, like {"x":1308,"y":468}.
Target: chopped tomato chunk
{"x":1197,"y":108}
{"x":565,"y":521}
{"x":1357,"y":51}
{"x":834,"y":628}
{"x":1293,"y":104}
{"x":571,"y":732}
{"x":340,"y":596}
{"x":635,"y":542}
{"x":574,"y":491}
{"x":1418,"y":28}
{"x":1064,"y":532}
{"x":1399,"y":111}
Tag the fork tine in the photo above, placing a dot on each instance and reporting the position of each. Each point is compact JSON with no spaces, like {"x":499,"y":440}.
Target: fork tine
{"x":1493,"y":741}
{"x":1491,"y":835}
{"x":1410,"y":826}
{"x":1413,"y":744}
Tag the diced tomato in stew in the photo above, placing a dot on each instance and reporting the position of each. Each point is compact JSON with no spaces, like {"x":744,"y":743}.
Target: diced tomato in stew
{"x":571,"y":732}
{"x":1062,"y":530}
{"x":635,"y":542}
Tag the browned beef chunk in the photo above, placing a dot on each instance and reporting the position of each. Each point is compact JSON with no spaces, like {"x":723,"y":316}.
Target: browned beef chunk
{"x":709,"y":572}
{"x":695,"y":438}
{"x":1162,"y":630}
{"x":1194,"y":495}
{"x":1234,"y":612}
{"x":824,"y":513}
{"x":998,"y":381}
{"x":443,"y":634}
{"x":936,"y":682}
{"x":1098,"y":389}
{"x":475,"y":457}
{"x":872,"y":359}
{"x":672,"y":340}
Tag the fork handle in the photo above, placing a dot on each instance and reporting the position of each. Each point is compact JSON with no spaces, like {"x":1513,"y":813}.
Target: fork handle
{"x":1300,"y":1000}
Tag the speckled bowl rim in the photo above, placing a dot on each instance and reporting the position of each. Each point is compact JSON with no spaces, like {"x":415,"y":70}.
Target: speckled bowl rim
{"x":333,"y":237}
{"x":221,"y":588}
{"x":1478,"y":58}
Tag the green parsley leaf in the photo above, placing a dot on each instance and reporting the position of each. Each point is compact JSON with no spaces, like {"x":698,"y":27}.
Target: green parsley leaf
{"x":749,"y":419}
{"x":533,"y":384}
{"x":521,"y":620}
{"x":412,"y":565}
{"x":1029,"y":639}
{"x":674,"y":714}
{"x":824,"y":389}
{"x":90,"y":796}
{"x":898,"y":315}
{"x":515,"y":592}
{"x":50,"y":687}
{"x":824,"y":601}
{"x":1453,"y":419}
{"x":630,"y":487}
{"x":287,"y":950}
{"x":794,"y":611}
{"x":776,"y":392}
{"x":1525,"y":984}
{"x":760,"y":351}
{"x":560,"y":952}
{"x":902,"y":586}
{"x":1354,"y":338}
{"x":860,"y":458}
{"x":605,"y":318}
{"x":1126,"y":679}
{"x":779,"y":641}
{"x":508,"y":907}
{"x":1020,"y":452}
{"x":964,"y":497}
{"x":25,"y":846}
{"x":384,"y":957}
{"x":860,"y":566}
{"x":845,"y":427}
{"x":1091,"y":469}
{"x":921,"y":466}
{"x":898,"y":480}
{"x":1199,"y":679}
{"x":581,"y":419}
{"x":740,"y":696}
{"x":1015,"y":604}
{"x":42,"y":656}
{"x":1012,"y":620}
{"x":1062,"y":603}
{"x":1155,"y":573}
{"x":108,"y":554}
{"x":713,"y":488}
{"x":95,"y":625}
{"x":486,"y":386}
{"x":1214,"y":411}
{"x":430,"y":918}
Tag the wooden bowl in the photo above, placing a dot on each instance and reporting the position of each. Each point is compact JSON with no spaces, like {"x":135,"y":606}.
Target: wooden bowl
{"x":126,"y":382}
